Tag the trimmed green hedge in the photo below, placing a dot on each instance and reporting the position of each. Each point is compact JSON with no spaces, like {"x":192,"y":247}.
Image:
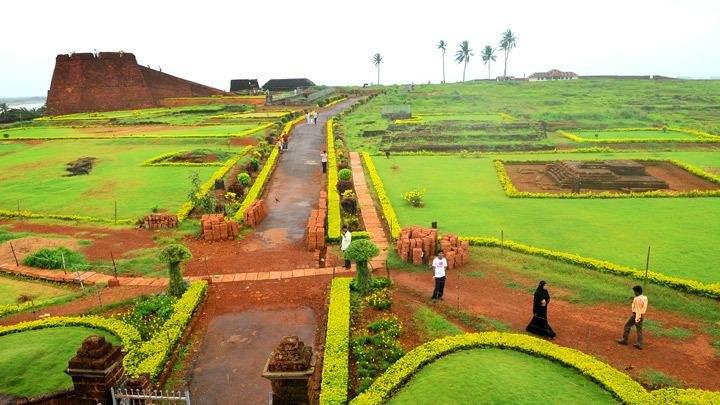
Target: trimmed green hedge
{"x":618,"y":383}
{"x":129,"y":336}
{"x":333,"y":200}
{"x":151,"y":356}
{"x":29,"y":214}
{"x":690,"y":286}
{"x":335,"y":372}
{"x":387,"y":209}
{"x":685,"y":396}
{"x":256,"y":188}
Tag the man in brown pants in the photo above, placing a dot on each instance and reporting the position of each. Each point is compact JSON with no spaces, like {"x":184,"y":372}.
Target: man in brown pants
{"x":639,"y":307}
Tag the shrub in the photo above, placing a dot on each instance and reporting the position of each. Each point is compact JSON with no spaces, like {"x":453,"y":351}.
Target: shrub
{"x":253,"y":165}
{"x":343,"y":186}
{"x":47,"y":258}
{"x":149,"y":314}
{"x":360,"y":251}
{"x":349,"y":204}
{"x":351,"y":221}
{"x":379,"y":299}
{"x":244,"y":179}
{"x":345,"y":174}
{"x":173,"y":255}
{"x":415,"y":197}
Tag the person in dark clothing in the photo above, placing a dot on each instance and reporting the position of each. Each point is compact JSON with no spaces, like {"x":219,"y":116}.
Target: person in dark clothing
{"x":539,"y":324}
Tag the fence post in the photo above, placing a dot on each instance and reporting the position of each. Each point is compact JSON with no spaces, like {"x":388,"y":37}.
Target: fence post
{"x":62,"y":255}
{"x":14,"y":255}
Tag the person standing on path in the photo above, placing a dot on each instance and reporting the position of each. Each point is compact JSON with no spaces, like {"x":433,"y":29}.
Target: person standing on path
{"x":308,"y":117}
{"x":439,"y":264}
{"x":639,"y":307}
{"x":323,"y":160}
{"x":344,"y":243}
{"x":539,"y":324}
{"x":315,"y":115}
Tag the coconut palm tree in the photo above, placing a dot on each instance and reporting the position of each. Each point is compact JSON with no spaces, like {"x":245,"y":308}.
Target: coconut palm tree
{"x":463,"y":55}
{"x":488,"y":55}
{"x":377,"y":60}
{"x":507,"y":43}
{"x":442,"y":45}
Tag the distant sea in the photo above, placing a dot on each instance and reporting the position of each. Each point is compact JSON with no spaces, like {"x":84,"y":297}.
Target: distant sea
{"x":24,"y":102}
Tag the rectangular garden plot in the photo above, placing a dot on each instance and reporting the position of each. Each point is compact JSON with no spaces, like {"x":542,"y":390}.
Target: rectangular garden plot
{"x":605,"y":177}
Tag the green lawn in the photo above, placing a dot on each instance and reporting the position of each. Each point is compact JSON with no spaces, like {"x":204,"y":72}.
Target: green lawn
{"x":35,"y":176}
{"x":33,"y":362}
{"x":495,"y":376}
{"x":603,"y":135}
{"x":431,"y":325}
{"x":465,"y":197}
{"x":126,"y":132}
{"x":11,"y":289}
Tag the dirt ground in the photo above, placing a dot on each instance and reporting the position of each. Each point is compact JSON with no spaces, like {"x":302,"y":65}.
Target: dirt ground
{"x":304,"y":294}
{"x":26,"y":246}
{"x":532,"y":178}
{"x":124,"y":130}
{"x":592,"y":329}
{"x":103,"y":297}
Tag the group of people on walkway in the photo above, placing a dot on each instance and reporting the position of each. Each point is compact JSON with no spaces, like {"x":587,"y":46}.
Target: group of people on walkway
{"x":539,"y":324}
{"x":311,"y":117}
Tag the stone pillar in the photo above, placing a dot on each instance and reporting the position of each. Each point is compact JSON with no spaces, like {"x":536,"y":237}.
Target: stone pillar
{"x":289,"y":369}
{"x":96,"y":368}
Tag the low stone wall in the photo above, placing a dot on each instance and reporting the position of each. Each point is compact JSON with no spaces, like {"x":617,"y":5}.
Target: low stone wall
{"x":215,"y":227}
{"x":157,"y":221}
{"x":419,"y":245}
{"x":255,"y":213}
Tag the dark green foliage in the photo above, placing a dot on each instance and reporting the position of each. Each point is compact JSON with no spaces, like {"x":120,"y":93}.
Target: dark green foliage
{"x":244,"y":179}
{"x":345,"y":174}
{"x":360,"y":251}
{"x":149,"y":314}
{"x":53,"y":259}
{"x":173,"y":255}
{"x":205,"y":203}
{"x":253,"y":165}
{"x":377,"y":351}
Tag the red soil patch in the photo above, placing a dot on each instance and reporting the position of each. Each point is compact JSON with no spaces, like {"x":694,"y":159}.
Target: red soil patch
{"x":105,"y":240}
{"x":131,"y":129}
{"x":531,"y":177}
{"x":105,"y":296}
{"x":592,"y":329}
{"x":249,"y":254}
{"x":26,"y":246}
{"x":244,"y":141}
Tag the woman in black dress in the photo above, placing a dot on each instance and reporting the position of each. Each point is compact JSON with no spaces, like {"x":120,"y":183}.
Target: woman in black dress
{"x":539,"y":324}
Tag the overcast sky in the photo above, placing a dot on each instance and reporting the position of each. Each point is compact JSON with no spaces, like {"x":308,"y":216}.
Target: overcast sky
{"x":332,"y":42}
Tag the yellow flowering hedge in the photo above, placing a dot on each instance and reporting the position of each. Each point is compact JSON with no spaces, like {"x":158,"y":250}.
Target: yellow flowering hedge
{"x":129,"y":336}
{"x":332,"y":103}
{"x":415,"y":119}
{"x":258,"y":185}
{"x":333,"y":201}
{"x":158,"y":161}
{"x":512,"y":191}
{"x":151,"y":356}
{"x":619,"y":384}
{"x":387,"y":209}
{"x":33,"y":215}
{"x":507,"y":116}
{"x":702,"y":136}
{"x":15,"y":308}
{"x":335,"y":372}
{"x":290,"y":124}
{"x":690,"y":286}
{"x":205,"y":188}
{"x":685,"y":396}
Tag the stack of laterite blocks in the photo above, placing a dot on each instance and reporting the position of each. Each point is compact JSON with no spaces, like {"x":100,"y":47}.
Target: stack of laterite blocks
{"x":315,"y":232}
{"x":215,"y":227}
{"x":456,"y":252}
{"x":157,"y":221}
{"x":255,"y":213}
{"x":417,"y":244}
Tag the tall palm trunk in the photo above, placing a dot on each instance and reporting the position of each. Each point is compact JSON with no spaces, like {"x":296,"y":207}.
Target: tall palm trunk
{"x":443,"y":60}
{"x":378,"y":74}
{"x":464,"y":66}
{"x":505,"y":68}
{"x":488,"y":70}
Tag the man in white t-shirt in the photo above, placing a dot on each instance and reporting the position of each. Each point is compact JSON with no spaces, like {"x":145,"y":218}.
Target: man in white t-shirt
{"x":345,"y":243}
{"x":439,"y":264}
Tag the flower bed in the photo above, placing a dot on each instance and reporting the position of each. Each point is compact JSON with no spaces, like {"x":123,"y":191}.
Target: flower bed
{"x":150,"y":356}
{"x":690,"y":286}
{"x":513,"y":192}
{"x":387,"y":209}
{"x":335,"y":359}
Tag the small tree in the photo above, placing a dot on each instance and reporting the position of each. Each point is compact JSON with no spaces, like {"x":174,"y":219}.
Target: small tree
{"x":361,"y":251}
{"x":173,"y":255}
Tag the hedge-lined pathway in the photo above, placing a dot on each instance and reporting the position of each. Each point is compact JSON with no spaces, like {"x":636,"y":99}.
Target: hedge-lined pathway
{"x":370,"y":216}
{"x":91,"y":277}
{"x":297,"y":181}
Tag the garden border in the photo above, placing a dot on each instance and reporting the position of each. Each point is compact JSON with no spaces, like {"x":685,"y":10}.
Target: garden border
{"x":702,"y":137}
{"x":335,"y":372}
{"x":512,"y":192}
{"x":619,"y":384}
{"x":333,"y":198}
{"x":127,"y":333}
{"x":387,"y":208}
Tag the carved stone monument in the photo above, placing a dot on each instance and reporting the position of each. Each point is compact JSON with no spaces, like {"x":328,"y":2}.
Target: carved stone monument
{"x":289,"y":369}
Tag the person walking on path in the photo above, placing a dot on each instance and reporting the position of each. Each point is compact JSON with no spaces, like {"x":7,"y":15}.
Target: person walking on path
{"x":539,"y":324}
{"x":285,"y":142}
{"x":344,"y":243}
{"x":439,"y":264}
{"x":323,"y":160}
{"x":639,"y":307}
{"x":315,"y":115}
{"x":308,"y":117}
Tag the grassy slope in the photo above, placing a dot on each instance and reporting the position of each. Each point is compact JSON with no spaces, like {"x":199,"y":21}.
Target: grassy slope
{"x":11,"y":288}
{"x":465,"y":197}
{"x":486,"y":374}
{"x":35,"y":176}
{"x":32,"y":362}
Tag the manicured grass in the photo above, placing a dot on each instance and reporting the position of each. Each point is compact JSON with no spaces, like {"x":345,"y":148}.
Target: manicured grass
{"x":499,"y":376}
{"x":590,"y":135}
{"x":432,"y":325}
{"x":33,"y":362}
{"x":11,"y":289}
{"x":465,"y":197}
{"x":36,"y":177}
{"x":57,"y":132}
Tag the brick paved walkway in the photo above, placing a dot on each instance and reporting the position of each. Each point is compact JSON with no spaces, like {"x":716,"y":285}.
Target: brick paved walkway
{"x":370,"y":216}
